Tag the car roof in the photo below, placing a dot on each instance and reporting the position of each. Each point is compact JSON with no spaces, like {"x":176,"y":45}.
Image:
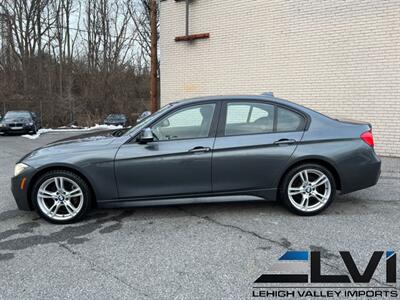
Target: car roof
{"x":264,"y":97}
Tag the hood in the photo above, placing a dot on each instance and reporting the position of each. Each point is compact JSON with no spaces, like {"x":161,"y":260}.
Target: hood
{"x":91,"y":136}
{"x":88,"y":143}
{"x":81,"y":142}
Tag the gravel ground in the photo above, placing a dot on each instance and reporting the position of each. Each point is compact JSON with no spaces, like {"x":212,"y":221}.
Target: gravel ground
{"x":207,"y":251}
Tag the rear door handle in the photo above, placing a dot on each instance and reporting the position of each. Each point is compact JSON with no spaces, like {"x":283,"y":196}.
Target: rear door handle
{"x":200,"y":149}
{"x":285,"y":142}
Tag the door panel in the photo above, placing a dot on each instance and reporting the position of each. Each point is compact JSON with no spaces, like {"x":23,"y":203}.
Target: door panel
{"x":251,"y":161}
{"x":164,"y":168}
{"x":249,"y":151}
{"x":179,"y":162}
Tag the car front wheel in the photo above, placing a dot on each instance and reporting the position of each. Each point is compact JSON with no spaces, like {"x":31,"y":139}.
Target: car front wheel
{"x":308,"y":189}
{"x":34,"y":130}
{"x":61,"y":197}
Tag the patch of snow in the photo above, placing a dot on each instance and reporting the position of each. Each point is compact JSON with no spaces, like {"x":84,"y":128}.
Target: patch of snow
{"x":71,"y":129}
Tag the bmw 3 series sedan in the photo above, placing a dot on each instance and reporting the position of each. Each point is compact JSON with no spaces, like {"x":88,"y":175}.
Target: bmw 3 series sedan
{"x":201,"y":149}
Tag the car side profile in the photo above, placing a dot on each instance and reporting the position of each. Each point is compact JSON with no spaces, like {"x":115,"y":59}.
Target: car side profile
{"x":260,"y":146}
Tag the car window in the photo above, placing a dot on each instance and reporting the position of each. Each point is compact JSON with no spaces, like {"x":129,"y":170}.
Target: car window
{"x":289,"y":120}
{"x":249,"y":118}
{"x":17,"y":114}
{"x":187,"y":123}
{"x":238,"y":113}
{"x":147,"y":120}
{"x":258,"y":113}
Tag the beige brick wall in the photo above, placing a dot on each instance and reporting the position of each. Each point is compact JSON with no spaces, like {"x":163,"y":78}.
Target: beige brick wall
{"x":339,"y":57}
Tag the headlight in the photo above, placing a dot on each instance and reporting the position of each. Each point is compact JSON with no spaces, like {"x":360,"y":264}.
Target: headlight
{"x":19,"y":168}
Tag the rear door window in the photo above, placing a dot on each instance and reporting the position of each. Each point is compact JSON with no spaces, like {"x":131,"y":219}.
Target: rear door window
{"x":249,"y":118}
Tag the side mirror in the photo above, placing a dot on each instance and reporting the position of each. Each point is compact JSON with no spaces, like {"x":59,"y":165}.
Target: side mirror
{"x":146,"y":136}
{"x":143,"y":116}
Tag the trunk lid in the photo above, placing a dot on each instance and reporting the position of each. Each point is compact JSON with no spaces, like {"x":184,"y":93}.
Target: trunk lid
{"x":354,"y":122}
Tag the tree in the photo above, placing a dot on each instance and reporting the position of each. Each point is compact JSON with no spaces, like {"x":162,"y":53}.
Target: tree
{"x":75,"y":61}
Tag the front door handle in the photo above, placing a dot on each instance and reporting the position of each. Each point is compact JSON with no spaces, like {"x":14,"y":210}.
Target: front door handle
{"x":285,"y":142}
{"x":200,"y":149}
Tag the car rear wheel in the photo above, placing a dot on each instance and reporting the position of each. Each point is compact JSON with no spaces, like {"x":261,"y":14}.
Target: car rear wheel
{"x":308,"y":189}
{"x":61,"y":197}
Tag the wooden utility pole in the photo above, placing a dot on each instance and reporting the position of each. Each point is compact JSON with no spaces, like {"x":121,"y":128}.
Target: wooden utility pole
{"x":154,"y":56}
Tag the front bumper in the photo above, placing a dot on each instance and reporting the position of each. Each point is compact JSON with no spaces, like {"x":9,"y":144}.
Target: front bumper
{"x":20,"y":187}
{"x":22,"y":129}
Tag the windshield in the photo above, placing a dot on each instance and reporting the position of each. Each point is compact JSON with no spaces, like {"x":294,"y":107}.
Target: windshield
{"x":148,"y":120}
{"x":17,"y":114}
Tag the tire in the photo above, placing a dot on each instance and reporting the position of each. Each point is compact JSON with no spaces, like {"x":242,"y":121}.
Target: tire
{"x":34,"y":130}
{"x":309,"y":195}
{"x":64,"y":197}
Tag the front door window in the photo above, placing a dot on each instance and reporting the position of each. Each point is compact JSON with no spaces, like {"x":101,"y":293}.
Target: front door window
{"x":187,"y":123}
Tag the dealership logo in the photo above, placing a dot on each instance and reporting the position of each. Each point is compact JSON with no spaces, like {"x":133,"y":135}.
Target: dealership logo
{"x":305,"y":267}
{"x":298,"y":275}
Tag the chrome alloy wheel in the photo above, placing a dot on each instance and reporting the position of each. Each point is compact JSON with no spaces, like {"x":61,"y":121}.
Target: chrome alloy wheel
{"x":309,"y":190}
{"x":60,"y":198}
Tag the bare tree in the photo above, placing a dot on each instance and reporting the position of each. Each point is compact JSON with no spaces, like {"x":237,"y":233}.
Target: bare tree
{"x":74,"y":60}
{"x":146,"y":20}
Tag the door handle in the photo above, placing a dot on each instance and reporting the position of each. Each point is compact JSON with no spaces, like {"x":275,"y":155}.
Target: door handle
{"x":199,"y":149}
{"x":285,"y":142}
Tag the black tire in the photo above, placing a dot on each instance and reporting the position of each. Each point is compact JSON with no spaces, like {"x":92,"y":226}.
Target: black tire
{"x":86,"y":191}
{"x":34,"y":130}
{"x":284,"y":192}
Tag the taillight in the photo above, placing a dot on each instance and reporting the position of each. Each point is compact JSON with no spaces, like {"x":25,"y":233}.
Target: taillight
{"x":368,"y":138}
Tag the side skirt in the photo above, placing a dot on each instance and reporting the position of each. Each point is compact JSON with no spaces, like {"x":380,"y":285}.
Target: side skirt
{"x":260,"y":195}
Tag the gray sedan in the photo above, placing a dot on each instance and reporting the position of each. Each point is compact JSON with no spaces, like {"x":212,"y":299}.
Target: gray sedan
{"x":189,"y":151}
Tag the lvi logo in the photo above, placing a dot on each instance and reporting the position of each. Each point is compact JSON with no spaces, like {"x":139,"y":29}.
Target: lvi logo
{"x":305,"y":267}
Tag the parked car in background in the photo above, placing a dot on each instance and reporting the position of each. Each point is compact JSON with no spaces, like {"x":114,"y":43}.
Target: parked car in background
{"x":116,"y":119}
{"x":260,"y":146}
{"x":19,"y":121}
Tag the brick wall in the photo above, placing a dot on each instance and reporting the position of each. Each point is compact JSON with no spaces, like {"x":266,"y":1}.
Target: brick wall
{"x":341,"y":58}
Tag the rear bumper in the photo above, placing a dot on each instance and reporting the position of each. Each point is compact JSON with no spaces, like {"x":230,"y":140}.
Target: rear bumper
{"x":362,"y":172}
{"x":21,"y":191}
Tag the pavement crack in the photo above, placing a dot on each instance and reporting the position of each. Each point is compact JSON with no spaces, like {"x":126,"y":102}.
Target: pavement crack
{"x":284,"y":243}
{"x":103,"y":270}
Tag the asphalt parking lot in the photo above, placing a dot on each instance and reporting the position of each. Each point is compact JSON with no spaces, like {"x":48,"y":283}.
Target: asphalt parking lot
{"x":207,"y":251}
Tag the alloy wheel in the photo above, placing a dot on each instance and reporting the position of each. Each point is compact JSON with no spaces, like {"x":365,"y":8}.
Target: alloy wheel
{"x":309,"y":190}
{"x":60,"y":198}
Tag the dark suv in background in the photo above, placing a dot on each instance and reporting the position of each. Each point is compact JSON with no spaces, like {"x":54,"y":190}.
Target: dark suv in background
{"x":19,"y":122}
